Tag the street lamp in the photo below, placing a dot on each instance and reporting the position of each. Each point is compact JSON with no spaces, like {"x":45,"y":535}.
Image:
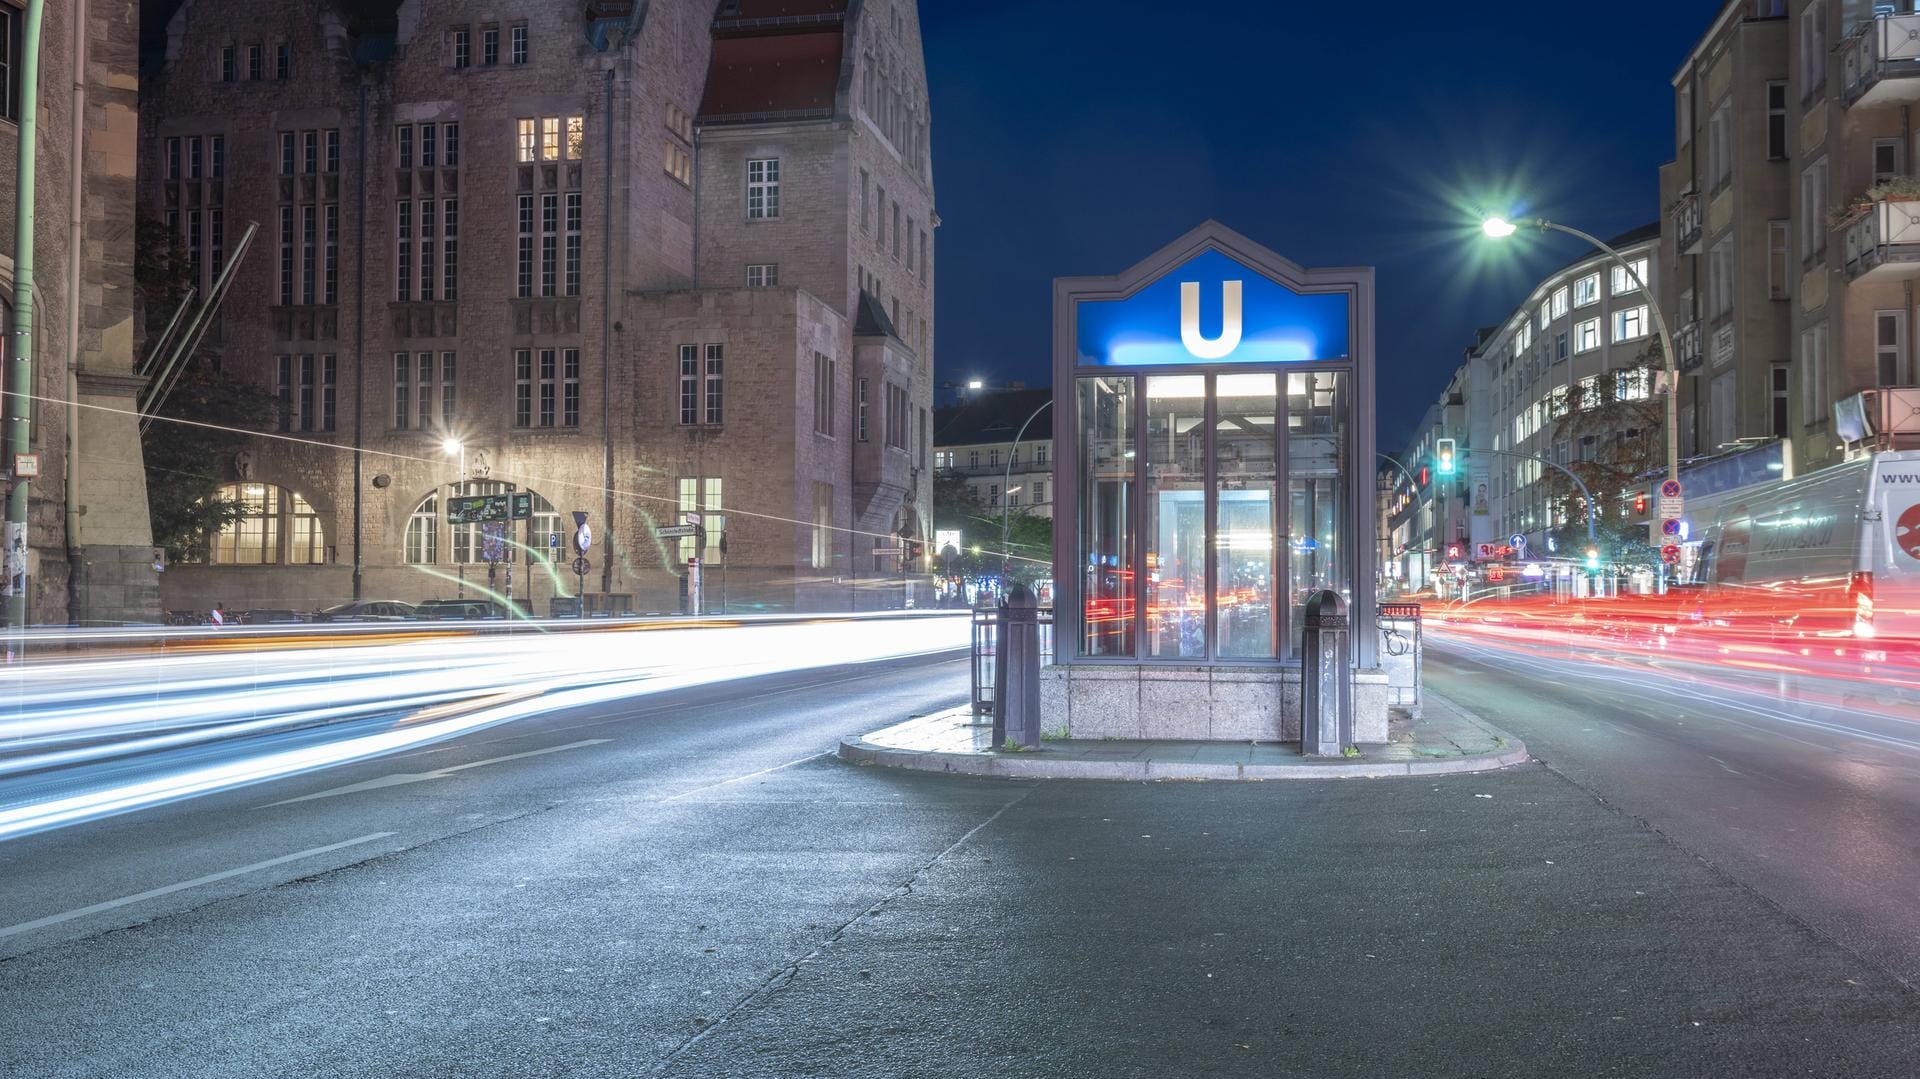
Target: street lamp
{"x":1499,"y":228}
{"x":451,"y":447}
{"x":1006,"y":498}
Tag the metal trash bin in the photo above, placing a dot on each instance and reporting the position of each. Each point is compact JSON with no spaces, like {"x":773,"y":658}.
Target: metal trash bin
{"x":1400,"y":655}
{"x":1326,"y":677}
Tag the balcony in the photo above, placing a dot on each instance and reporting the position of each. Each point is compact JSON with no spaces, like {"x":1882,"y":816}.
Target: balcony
{"x":1687,"y":354}
{"x":1880,"y":62}
{"x":1882,"y":418}
{"x":1884,"y":242}
{"x":1686,"y":224}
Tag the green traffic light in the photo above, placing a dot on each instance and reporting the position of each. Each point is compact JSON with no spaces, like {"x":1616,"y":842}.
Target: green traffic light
{"x":1443,"y":456}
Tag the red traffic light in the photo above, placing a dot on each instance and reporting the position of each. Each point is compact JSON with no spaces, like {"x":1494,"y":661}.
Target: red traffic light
{"x":1640,"y":502}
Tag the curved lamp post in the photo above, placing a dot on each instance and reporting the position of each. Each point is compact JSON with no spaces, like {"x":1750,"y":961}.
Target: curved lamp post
{"x":1499,"y":228}
{"x":1006,"y":502}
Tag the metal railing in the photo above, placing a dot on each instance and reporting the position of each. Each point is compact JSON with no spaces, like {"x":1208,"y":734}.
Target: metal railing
{"x":1686,"y":224}
{"x":1888,"y":232}
{"x":1886,"y":46}
{"x":988,"y":621}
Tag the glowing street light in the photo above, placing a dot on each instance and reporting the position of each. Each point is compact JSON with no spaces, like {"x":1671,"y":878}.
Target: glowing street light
{"x":1498,"y":228}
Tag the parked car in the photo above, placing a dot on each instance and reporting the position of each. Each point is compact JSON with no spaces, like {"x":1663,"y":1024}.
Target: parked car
{"x":267,"y":617}
{"x":446,"y":610}
{"x":367,"y":610}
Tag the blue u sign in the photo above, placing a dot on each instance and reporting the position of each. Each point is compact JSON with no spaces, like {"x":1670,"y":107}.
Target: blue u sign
{"x":1213,"y":309}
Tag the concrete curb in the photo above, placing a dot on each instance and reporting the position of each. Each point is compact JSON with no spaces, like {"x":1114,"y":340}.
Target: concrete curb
{"x":1038,"y":764}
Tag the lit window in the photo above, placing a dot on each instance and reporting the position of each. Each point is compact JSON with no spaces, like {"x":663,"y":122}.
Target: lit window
{"x":1624,"y":282}
{"x":1630,"y":323}
{"x":1586,"y":335}
{"x":763,"y":188}
{"x":1560,"y":301}
{"x":1586,"y":290}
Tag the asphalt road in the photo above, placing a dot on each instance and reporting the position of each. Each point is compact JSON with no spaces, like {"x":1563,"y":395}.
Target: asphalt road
{"x":692,"y":886}
{"x":1805,"y":789}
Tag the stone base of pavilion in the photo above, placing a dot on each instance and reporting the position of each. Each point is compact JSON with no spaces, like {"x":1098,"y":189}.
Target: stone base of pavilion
{"x":1163,"y":703}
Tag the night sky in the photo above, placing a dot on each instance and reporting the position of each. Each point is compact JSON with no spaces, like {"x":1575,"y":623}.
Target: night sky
{"x":1076,"y":139}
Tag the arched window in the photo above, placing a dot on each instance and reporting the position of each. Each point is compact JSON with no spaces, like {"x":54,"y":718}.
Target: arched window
{"x":466,"y":541}
{"x":423,"y":532}
{"x":274,"y":526}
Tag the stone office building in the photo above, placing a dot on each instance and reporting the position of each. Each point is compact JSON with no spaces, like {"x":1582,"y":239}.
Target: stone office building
{"x":89,"y":554}
{"x":637,"y":258}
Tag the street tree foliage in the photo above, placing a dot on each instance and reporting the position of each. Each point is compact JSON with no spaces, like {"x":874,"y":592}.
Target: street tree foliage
{"x":186,"y":463}
{"x":1029,"y":535}
{"x":1612,"y":426}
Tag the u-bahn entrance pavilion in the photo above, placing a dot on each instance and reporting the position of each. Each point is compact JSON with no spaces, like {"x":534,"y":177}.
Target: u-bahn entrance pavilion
{"x":1213,"y":470}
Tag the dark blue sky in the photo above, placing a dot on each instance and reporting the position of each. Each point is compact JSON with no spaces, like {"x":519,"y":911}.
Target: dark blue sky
{"x":1077,"y":138}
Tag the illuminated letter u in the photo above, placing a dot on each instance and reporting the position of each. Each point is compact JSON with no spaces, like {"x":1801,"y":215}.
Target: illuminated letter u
{"x":1229,"y":338}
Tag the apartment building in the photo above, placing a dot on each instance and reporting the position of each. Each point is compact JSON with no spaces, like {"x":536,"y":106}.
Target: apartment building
{"x":638,"y":259}
{"x":1583,"y":337}
{"x":1002,"y":442}
{"x":1791,"y":247}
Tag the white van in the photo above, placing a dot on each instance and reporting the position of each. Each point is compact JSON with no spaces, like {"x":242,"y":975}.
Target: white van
{"x":1831,"y":554}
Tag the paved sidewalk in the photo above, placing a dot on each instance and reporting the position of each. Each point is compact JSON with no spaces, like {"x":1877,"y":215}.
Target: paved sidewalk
{"x":1447,"y":739}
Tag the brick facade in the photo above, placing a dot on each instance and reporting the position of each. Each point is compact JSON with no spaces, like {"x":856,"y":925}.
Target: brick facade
{"x":657,"y":182}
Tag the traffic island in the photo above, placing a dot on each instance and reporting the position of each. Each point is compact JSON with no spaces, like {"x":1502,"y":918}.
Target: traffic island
{"x":1445,"y":740}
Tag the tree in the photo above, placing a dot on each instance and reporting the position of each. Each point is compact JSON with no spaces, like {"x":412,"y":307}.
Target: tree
{"x":1613,"y":430}
{"x":1029,"y":535}
{"x":184,"y":460}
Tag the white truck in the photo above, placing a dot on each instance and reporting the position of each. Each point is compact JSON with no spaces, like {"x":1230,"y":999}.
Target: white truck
{"x":1834,"y":554}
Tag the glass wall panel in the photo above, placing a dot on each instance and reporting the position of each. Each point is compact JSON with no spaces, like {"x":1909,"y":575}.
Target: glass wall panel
{"x":1317,"y":541}
{"x":1106,"y":477}
{"x":1245,"y":515}
{"x":1175,"y":560}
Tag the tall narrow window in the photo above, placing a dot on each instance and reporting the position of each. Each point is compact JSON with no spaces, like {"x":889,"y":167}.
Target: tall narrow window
{"x":193,"y":158}
{"x":423,"y":381}
{"x":450,"y":249}
{"x":429,"y":144}
{"x":255,"y":63}
{"x":1813,"y":50}
{"x":309,"y":236}
{"x":228,"y":65}
{"x":217,"y":157}
{"x":549,"y":362}
{"x":896,"y":232}
{"x":307,"y":387}
{"x":549,"y":243}
{"x":570,"y":387}
{"x":310,"y":143}
{"x":866,"y":213}
{"x":286,"y":255}
{"x":462,"y":47}
{"x":526,"y":246}
{"x":523,"y":387}
{"x":518,"y":36}
{"x":1779,"y":385}
{"x":689,"y":385}
{"x":195,"y":259}
{"x":1777,"y":121}
{"x":489,"y":45}
{"x":576,"y":137}
{"x":763,"y":188}
{"x":526,"y":139}
{"x":716,"y":377}
{"x":286,"y":153}
{"x":573,"y":243}
{"x":448,"y":397}
{"x":402,"y":380}
{"x":1813,"y":209}
{"x":329,"y":391}
{"x":283,"y":392}
{"x":1890,"y":347}
{"x":216,"y":241}
{"x":404,"y":135}
{"x":450,"y":145}
{"x":823,"y":374}
{"x":330,"y":282}
{"x":173,"y":159}
{"x":1889,"y":159}
{"x":550,"y":138}
{"x":427,"y":269}
{"x":860,"y":432}
{"x":282,"y":62}
{"x":403,"y":275}
{"x":1813,"y":375}
{"x":1720,"y":147}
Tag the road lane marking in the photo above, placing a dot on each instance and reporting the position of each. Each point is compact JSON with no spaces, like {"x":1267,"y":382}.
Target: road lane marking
{"x":749,"y":775}
{"x":402,"y":778}
{"x":81,"y":912}
{"x":1725,"y":765}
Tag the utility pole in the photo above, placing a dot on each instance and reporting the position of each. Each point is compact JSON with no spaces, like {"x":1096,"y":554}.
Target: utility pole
{"x":19,"y":373}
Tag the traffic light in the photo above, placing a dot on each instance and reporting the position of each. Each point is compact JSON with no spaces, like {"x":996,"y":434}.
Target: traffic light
{"x":1640,"y":502}
{"x":1593,"y":558}
{"x":1443,"y":455}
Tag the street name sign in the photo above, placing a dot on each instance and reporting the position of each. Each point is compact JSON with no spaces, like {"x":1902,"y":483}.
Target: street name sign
{"x":675,"y":531}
